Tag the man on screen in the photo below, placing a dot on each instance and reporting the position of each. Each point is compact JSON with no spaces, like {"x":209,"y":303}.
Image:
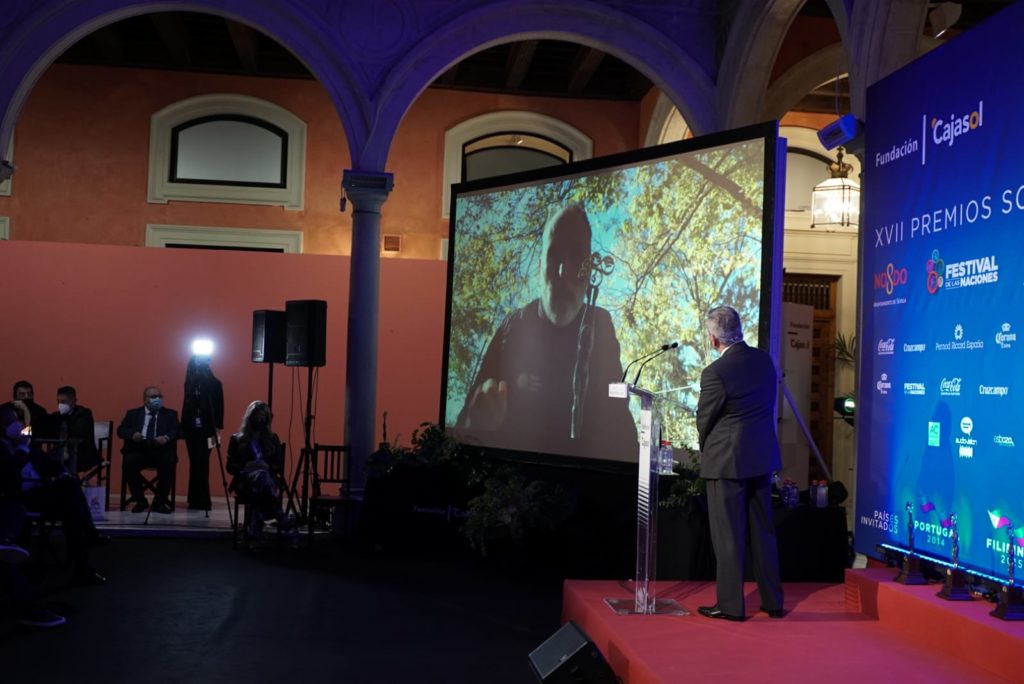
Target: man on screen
{"x":738,"y":453}
{"x":543,"y":382}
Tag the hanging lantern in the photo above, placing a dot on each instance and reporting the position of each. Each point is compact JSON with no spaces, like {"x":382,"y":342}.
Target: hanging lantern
{"x":835,"y":202}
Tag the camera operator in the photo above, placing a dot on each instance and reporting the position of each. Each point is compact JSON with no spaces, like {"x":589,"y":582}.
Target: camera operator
{"x":202,"y":414}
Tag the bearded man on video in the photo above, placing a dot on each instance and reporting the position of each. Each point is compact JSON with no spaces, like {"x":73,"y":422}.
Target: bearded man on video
{"x":543,"y":382}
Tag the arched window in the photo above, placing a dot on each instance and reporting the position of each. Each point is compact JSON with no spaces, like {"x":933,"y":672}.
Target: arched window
{"x":506,"y":142}
{"x":227,"y":148}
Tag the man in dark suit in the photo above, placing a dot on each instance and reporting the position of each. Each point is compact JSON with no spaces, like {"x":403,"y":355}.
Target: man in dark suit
{"x":39,"y":416}
{"x":739,"y":452}
{"x":80,"y":428}
{"x":149,"y":433}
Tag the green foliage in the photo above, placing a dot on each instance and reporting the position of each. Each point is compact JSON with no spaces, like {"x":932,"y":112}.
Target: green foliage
{"x":688,"y":483}
{"x":510,"y":506}
{"x":846,"y":349}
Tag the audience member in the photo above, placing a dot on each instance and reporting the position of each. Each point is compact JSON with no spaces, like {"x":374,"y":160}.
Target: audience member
{"x":150,"y":434}
{"x":256,"y":460}
{"x":38,"y":416}
{"x":202,"y":414}
{"x":47,"y":488}
{"x":78,"y":427}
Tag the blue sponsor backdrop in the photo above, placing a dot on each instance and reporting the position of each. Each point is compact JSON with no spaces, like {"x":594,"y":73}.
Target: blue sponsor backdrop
{"x":941,"y":416}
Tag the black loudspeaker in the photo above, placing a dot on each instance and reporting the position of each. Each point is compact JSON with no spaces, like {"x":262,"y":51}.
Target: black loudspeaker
{"x":268,"y":333}
{"x":306,"y":332}
{"x":570,"y":657}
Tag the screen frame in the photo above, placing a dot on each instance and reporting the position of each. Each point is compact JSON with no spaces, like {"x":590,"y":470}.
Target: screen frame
{"x":770,"y":309}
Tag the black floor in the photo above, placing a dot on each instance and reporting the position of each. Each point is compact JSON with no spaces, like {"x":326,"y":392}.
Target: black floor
{"x":194,"y":610}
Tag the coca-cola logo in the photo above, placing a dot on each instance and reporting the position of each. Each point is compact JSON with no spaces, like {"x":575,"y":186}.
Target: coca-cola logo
{"x":950,"y":387}
{"x":887,"y":346}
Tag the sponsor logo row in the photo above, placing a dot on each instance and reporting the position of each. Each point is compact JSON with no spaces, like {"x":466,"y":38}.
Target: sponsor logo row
{"x":952,"y":386}
{"x":965,"y":440}
{"x":894,"y":283}
{"x":958,"y":340}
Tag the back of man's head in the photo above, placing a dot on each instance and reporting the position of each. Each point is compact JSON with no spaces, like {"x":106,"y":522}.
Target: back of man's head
{"x":724,"y":323}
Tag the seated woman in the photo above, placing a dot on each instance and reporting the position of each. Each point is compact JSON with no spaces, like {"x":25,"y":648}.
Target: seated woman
{"x":255,"y":456}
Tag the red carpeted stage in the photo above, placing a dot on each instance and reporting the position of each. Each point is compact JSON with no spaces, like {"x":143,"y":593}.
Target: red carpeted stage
{"x":868,"y":629}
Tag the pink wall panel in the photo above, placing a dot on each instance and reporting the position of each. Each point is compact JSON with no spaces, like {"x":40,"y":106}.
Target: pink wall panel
{"x":111,"y":320}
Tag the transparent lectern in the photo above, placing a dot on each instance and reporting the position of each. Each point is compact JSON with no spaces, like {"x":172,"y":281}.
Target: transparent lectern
{"x":644,"y":601}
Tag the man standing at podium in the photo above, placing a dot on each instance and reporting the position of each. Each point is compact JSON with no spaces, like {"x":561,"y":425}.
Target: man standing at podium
{"x":739,"y":452}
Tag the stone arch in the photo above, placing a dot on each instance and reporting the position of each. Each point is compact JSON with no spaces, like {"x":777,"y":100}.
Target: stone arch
{"x":802,"y":78}
{"x":754,"y":39}
{"x":664,"y":112}
{"x":671,"y":69}
{"x":44,"y":30}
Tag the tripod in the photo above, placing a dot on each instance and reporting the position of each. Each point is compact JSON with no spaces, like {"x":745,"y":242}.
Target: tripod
{"x":296,"y":504}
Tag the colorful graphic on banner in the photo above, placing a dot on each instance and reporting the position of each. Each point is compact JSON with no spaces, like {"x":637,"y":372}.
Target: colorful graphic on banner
{"x":943,"y":292}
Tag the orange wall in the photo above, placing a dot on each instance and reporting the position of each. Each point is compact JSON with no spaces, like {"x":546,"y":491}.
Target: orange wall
{"x":82,"y":146}
{"x":110,"y":320}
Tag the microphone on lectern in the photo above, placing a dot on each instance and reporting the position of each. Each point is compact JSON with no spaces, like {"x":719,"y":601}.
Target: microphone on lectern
{"x":663,"y":348}
{"x":658,"y":353}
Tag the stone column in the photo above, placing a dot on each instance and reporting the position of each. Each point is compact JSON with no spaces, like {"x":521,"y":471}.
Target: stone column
{"x":367,"y":191}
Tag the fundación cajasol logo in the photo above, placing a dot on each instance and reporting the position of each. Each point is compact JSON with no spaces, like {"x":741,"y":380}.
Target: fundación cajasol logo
{"x":944,"y":131}
{"x":959,"y":274}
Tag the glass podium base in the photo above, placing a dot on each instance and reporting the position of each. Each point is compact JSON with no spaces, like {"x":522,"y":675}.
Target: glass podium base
{"x":621,"y":606}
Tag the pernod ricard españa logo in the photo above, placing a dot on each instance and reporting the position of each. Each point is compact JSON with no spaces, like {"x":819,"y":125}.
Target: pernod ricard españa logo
{"x":958,"y":343}
{"x":959,"y":274}
{"x":1005,"y":338}
{"x":966,"y":444}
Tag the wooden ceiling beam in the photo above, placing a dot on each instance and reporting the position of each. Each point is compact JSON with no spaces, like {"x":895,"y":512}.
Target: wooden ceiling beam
{"x":583,"y":68}
{"x":518,"y":63}
{"x":173,"y":34}
{"x":243,"y":39}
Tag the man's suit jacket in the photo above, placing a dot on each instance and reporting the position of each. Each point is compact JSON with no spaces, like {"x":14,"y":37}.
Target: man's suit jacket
{"x":736,"y":415}
{"x":134,"y":419}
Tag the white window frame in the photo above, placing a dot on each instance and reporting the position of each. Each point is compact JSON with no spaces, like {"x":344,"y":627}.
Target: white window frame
{"x":800,"y":137}
{"x":5,"y":228}
{"x":5,"y":187}
{"x":160,"y":235}
{"x":162,"y":190}
{"x":580,"y":144}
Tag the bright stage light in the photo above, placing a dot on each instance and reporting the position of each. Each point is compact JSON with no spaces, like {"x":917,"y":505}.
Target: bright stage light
{"x":202,"y":347}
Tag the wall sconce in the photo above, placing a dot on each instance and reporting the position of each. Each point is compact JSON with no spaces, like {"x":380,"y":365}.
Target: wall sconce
{"x":835,"y":202}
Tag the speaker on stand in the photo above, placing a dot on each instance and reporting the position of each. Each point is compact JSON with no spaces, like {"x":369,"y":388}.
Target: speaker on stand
{"x":268,"y":343}
{"x":305,"y":345}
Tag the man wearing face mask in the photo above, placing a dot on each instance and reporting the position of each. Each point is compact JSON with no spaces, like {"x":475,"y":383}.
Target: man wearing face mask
{"x":149,"y":433}
{"x":76,"y":422}
{"x":526,"y":394}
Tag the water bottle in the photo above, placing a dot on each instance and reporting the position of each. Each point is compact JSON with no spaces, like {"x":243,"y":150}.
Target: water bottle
{"x":666,"y":458}
{"x":823,"y":494}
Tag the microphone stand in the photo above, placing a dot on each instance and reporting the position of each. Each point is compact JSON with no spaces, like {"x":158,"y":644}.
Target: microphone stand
{"x":656,"y":354}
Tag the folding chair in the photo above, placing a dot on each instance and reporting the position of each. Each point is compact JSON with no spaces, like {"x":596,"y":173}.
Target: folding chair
{"x":240,"y":532}
{"x":328,"y":465}
{"x":149,"y":484}
{"x":103,"y":431}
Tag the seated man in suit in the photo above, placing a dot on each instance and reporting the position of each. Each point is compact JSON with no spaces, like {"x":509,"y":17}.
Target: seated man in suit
{"x":38,"y":416}
{"x":80,"y":428}
{"x":150,"y":435}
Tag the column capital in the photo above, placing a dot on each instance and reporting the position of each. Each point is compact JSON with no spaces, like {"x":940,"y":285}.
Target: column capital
{"x":367,"y":189}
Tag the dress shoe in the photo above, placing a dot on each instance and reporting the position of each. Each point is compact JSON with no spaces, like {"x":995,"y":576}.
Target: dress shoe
{"x":162,"y":507}
{"x":89,"y":576}
{"x":774,"y":612}
{"x":99,"y":539}
{"x":140,"y":506}
{"x":716,"y":612}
